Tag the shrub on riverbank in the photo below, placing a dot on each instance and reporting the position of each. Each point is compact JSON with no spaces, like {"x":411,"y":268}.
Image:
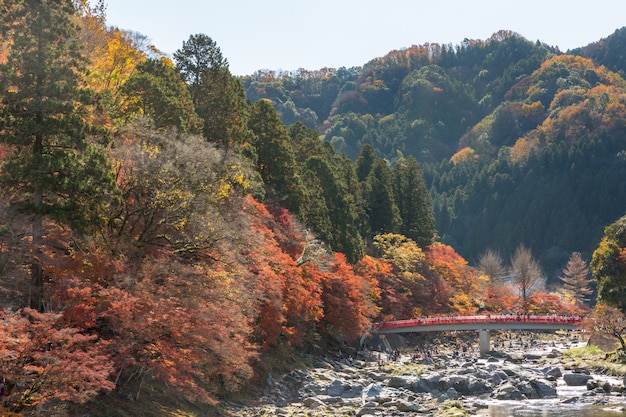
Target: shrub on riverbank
{"x":592,"y":357}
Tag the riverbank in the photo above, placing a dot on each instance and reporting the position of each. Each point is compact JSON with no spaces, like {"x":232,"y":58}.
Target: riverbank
{"x":442,"y":375}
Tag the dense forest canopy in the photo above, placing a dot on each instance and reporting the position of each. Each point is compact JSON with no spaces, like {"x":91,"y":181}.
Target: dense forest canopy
{"x":518,"y":141}
{"x":168,"y":227}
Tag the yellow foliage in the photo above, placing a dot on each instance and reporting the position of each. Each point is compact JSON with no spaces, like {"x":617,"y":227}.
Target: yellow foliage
{"x":151,"y":150}
{"x":465,"y":154}
{"x":523,"y":148}
{"x":404,"y":254}
{"x":111,"y":53}
{"x":462,"y":304}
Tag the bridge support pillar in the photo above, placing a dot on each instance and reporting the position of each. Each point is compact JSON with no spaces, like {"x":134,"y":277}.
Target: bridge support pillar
{"x":484,"y":341}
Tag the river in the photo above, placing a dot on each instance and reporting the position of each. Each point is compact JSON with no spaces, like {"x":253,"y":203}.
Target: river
{"x":529,"y":408}
{"x":556,"y":407}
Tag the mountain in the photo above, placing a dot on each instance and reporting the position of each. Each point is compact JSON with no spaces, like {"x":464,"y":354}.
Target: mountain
{"x":520,"y":143}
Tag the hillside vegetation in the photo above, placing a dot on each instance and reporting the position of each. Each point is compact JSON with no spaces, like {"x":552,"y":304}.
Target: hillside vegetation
{"x":171,"y":234}
{"x":518,"y":141}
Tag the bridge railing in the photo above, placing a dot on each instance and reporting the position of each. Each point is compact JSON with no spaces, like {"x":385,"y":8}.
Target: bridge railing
{"x":433,"y":321}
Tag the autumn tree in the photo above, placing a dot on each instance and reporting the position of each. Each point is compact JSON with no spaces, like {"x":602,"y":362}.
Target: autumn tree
{"x":526,"y":274}
{"x":418,"y":292}
{"x":576,"y":279}
{"x":608,"y":265}
{"x":542,"y":303}
{"x":43,"y":118}
{"x":491,"y":264}
{"x":392,"y":300}
{"x":611,"y":321}
{"x":44,"y":361}
{"x":348,"y":301}
{"x":466,"y":283}
{"x":175,"y":189}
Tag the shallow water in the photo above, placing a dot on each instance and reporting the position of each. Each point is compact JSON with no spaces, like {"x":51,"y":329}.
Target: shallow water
{"x":547,"y":409}
{"x":616,"y":406}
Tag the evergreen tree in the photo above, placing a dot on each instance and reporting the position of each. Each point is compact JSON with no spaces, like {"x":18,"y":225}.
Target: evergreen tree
{"x":223,"y":106}
{"x":365,"y":161}
{"x":198,"y":54}
{"x":218,"y":97}
{"x":43,"y":118}
{"x":382,"y":211}
{"x":275,"y":157}
{"x":343,"y":235}
{"x":156,"y":90}
{"x":576,"y":279}
{"x":413,"y":201}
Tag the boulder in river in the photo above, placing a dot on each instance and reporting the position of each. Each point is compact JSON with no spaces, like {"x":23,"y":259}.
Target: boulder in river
{"x":576,"y":379}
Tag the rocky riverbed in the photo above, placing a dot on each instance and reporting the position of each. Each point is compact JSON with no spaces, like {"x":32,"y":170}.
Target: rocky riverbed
{"x":437,"y":377}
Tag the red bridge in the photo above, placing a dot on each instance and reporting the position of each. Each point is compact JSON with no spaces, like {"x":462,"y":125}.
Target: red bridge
{"x":482,"y":323}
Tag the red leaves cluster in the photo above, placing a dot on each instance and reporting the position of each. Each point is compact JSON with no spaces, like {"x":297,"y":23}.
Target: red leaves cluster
{"x":200,"y":324}
{"x":44,"y":360}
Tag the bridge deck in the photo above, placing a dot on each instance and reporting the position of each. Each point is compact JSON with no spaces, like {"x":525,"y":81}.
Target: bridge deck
{"x":492,"y":322}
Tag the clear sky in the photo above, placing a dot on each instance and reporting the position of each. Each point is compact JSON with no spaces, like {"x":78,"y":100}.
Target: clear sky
{"x":292,"y":34}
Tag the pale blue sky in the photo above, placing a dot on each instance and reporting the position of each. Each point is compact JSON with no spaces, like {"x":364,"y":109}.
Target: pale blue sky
{"x":292,"y":34}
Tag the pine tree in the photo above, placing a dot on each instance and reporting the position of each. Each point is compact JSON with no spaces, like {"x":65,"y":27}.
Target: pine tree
{"x":198,"y":54}
{"x":43,"y":118}
{"x":343,"y":235}
{"x":576,"y":278}
{"x":413,"y":201}
{"x":275,"y":157}
{"x":382,"y":211}
{"x":155,"y":89}
{"x":218,"y":97}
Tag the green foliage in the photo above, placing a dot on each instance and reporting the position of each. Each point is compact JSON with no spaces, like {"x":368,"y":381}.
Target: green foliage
{"x":413,"y":201}
{"x":275,"y":157}
{"x":608,"y":265}
{"x":334,"y":208}
{"x":44,"y":116}
{"x":198,"y":54}
{"x":218,"y":97}
{"x":340,"y":230}
{"x":607,"y":51}
{"x":194,"y":281}
{"x":156,"y":90}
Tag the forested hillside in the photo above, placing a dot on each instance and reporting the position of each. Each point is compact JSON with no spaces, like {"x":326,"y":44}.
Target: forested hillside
{"x":518,"y":141}
{"x":171,"y":234}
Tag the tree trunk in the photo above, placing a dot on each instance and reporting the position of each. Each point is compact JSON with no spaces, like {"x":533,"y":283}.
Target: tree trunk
{"x":36,"y":273}
{"x":36,"y":276}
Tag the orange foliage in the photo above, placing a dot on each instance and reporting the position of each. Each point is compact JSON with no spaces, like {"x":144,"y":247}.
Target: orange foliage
{"x":524,"y":147}
{"x":394,"y":299}
{"x":465,"y":154}
{"x":542,"y":304}
{"x":44,"y":361}
{"x":466,"y":282}
{"x":348,"y":300}
{"x":500,"y":299}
